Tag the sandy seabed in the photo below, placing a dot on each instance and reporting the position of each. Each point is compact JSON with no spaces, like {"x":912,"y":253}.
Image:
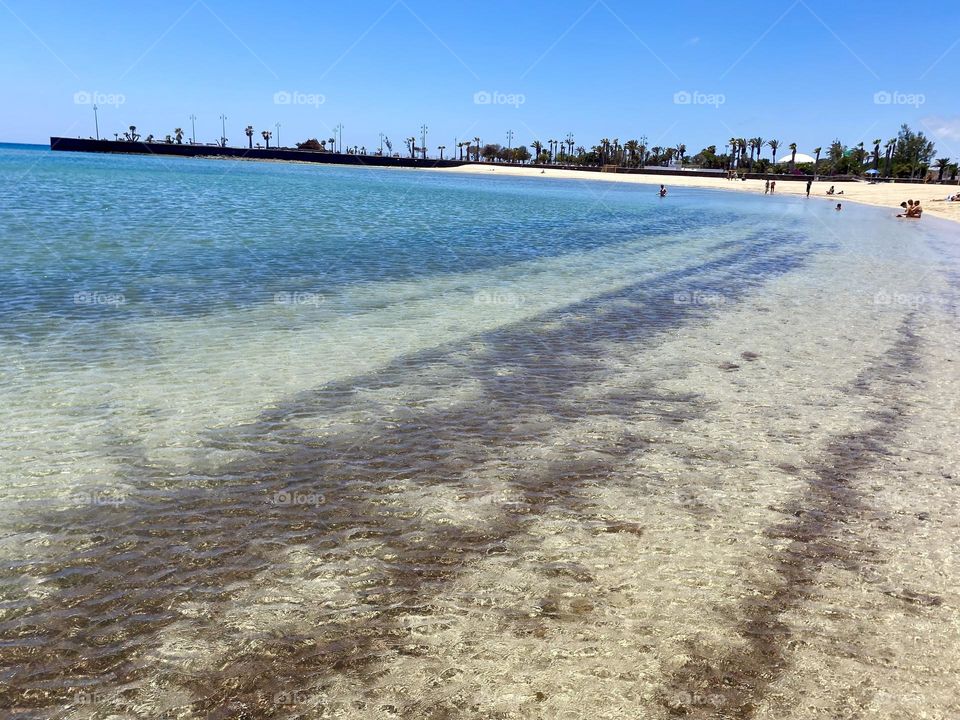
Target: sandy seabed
{"x":741,"y":502}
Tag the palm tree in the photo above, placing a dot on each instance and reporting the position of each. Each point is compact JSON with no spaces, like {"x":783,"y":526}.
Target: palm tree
{"x":412,"y":146}
{"x":333,"y":144}
{"x":178,"y":133}
{"x":248,"y":131}
{"x":888,"y":156}
{"x":876,"y":154}
{"x":441,"y":148}
{"x":816,"y":159}
{"x":793,"y":155}
{"x":476,"y":149}
{"x":132,"y":136}
{"x":266,"y":135}
{"x":681,"y":151}
{"x":942,"y":164}
{"x":773,"y":145}
{"x":604,"y":146}
{"x":537,"y":148}
{"x":760,"y":144}
{"x":642,"y":149}
{"x":631,"y":147}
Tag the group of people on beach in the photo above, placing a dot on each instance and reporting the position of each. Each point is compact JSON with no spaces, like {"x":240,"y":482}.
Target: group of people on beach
{"x":911,"y":209}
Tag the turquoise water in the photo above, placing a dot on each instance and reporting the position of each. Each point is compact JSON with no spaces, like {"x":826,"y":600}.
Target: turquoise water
{"x":262,"y":421}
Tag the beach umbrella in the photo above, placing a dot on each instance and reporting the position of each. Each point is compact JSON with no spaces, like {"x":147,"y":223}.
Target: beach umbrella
{"x":872,"y":172}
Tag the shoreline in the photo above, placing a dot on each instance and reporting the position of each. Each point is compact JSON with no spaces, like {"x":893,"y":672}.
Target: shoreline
{"x":884,"y":195}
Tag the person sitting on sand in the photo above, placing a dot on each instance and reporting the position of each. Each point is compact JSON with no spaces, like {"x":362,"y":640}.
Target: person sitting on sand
{"x":831,"y":191}
{"x":917,"y":211}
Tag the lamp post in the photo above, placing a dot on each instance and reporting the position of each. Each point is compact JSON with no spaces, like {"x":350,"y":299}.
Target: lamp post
{"x":338,"y":135}
{"x":423,"y":140}
{"x":277,"y":126}
{"x":381,"y":144}
{"x":223,"y":131}
{"x":96,"y":122}
{"x":509,"y":139}
{"x":193,"y":129}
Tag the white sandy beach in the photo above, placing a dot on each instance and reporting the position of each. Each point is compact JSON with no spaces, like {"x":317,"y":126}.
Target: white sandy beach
{"x":888,"y":195}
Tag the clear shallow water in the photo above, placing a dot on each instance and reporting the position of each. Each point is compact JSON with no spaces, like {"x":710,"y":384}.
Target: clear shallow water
{"x":301,"y":442}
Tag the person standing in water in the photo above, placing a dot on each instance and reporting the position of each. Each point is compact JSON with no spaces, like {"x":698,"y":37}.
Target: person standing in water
{"x":773,"y":186}
{"x":766,"y":187}
{"x":809,"y":185}
{"x":663,"y":191}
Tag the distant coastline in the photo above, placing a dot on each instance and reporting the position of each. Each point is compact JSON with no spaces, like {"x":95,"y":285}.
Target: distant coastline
{"x":286,"y":154}
{"x":128,"y":147}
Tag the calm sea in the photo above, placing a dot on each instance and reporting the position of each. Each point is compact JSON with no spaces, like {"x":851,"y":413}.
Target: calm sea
{"x":296,"y":441}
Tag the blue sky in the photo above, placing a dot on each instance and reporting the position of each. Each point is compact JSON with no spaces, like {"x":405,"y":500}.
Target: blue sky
{"x":804,"y":71}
